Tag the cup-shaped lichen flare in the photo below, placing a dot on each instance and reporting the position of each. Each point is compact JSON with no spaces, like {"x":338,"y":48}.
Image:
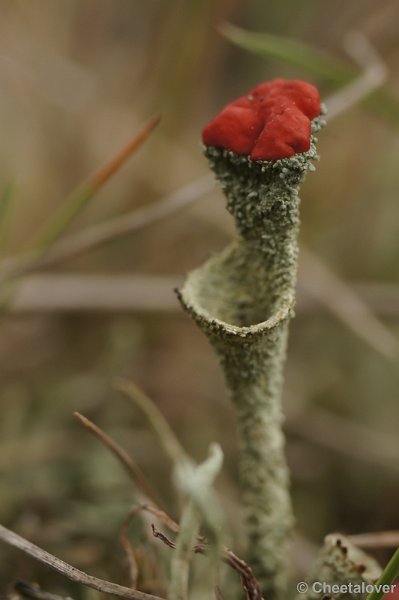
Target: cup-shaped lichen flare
{"x":243,"y":299}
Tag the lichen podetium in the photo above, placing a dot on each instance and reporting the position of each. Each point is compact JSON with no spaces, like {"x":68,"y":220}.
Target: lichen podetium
{"x":243,"y":298}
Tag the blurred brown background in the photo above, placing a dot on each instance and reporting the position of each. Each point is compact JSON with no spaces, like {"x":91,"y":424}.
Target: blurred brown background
{"x":77,"y":80}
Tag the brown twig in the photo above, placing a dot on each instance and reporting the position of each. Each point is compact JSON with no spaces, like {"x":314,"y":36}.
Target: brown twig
{"x":373,"y":76}
{"x":101,"y":176}
{"x":92,"y":237}
{"x":124,"y":539}
{"x":164,"y":538}
{"x":114,"y":228}
{"x":82,"y":195}
{"x":132,"y":469}
{"x":322,"y":283}
{"x":78,"y":292}
{"x":248,"y":580}
{"x":162,"y":516}
{"x":342,"y":435}
{"x":377,"y":539}
{"x":72,"y":573}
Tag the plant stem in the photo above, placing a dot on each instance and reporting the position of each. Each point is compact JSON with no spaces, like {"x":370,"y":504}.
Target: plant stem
{"x":80,"y":197}
{"x":388,"y":576}
{"x":189,"y":527}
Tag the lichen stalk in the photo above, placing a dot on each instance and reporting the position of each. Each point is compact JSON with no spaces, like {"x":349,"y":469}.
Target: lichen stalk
{"x":243,"y":299}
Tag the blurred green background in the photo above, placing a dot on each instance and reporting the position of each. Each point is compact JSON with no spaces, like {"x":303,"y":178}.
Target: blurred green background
{"x":77,"y":81}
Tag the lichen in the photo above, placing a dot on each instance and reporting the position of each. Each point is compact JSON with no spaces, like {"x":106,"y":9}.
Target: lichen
{"x":243,"y":299}
{"x":342,"y":564}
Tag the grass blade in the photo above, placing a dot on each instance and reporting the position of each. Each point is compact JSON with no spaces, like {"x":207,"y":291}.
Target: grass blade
{"x":79,"y":198}
{"x":387,"y":578}
{"x":297,"y":54}
{"x":326,"y":68}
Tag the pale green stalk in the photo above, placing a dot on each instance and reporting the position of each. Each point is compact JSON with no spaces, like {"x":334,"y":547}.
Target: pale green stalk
{"x":201,"y":505}
{"x":243,"y":299}
{"x":194,"y":483}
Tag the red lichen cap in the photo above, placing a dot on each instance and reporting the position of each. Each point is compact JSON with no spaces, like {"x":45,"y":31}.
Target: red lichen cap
{"x":271,"y":122}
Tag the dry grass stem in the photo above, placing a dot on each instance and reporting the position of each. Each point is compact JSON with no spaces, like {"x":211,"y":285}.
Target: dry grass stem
{"x":352,"y":439}
{"x":102,"y":175}
{"x":130,"y":466}
{"x":373,"y":77}
{"x":115,"y":228}
{"x":248,"y":580}
{"x":70,"y":572}
{"x":376,"y":539}
{"x":76,"y":244}
{"x":158,"y":423}
{"x":341,"y":300}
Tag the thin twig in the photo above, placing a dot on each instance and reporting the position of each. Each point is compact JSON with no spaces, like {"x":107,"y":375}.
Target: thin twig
{"x":130,"y":466}
{"x":342,"y":435}
{"x":124,"y":538}
{"x":164,"y":538}
{"x":322,"y":283}
{"x":377,"y":539}
{"x":76,"y":244}
{"x":84,"y":193}
{"x":374,"y":75}
{"x":76,"y":292}
{"x":52,"y":292}
{"x":102,"y":175}
{"x":248,"y":579}
{"x":381,"y":298}
{"x":162,"y":516}
{"x":72,"y":573}
{"x":98,"y":235}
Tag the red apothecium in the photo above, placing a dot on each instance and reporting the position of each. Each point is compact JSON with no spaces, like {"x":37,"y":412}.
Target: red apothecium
{"x":271,"y":122}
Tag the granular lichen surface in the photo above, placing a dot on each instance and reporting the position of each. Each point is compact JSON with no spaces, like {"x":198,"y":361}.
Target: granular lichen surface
{"x":243,"y":299}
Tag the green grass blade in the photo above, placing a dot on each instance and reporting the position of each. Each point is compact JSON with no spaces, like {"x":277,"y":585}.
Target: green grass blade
{"x":74,"y":204}
{"x":389,"y":574}
{"x":326,"y":68}
{"x":297,"y":54}
{"x":81,"y":197}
